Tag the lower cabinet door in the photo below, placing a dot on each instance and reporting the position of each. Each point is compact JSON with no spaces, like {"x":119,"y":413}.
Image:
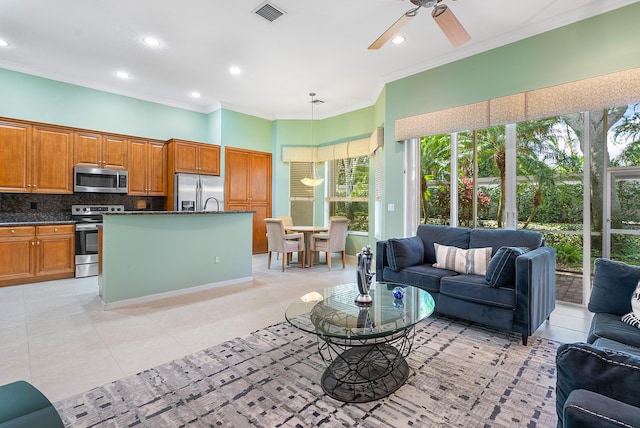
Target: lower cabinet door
{"x":55,"y":255}
{"x":16,"y":261}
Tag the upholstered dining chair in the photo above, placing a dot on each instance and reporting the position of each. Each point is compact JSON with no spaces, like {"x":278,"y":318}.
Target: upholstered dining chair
{"x":285,"y":243}
{"x":287,"y":221}
{"x":331,"y":242}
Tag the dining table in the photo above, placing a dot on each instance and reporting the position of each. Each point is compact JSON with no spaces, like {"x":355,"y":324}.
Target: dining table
{"x":307,"y":231}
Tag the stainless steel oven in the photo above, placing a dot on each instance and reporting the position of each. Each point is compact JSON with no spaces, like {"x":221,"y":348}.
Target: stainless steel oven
{"x":88,"y":218}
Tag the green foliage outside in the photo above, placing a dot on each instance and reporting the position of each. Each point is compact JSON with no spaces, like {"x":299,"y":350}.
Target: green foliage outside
{"x":550,"y":186}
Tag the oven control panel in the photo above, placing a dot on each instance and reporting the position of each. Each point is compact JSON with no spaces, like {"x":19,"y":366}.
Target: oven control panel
{"x":95,"y":209}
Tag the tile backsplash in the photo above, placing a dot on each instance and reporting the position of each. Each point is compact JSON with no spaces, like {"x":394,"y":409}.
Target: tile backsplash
{"x":43,"y":207}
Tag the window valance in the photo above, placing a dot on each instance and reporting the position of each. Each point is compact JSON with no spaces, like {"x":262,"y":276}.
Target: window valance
{"x":610,"y":90}
{"x":361,"y":147}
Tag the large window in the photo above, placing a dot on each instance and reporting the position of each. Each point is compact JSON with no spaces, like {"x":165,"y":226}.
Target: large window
{"x":348,"y":191}
{"x":300,"y":196}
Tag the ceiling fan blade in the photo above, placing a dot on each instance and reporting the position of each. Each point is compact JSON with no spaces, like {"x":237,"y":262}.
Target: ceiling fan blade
{"x":391,"y":31}
{"x":450,"y":26}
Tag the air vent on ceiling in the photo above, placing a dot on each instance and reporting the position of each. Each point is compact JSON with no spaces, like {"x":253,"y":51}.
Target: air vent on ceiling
{"x":269,"y":12}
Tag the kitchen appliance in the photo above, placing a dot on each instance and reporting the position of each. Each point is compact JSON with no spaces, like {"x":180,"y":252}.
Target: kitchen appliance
{"x":100,"y":180}
{"x":88,"y":218}
{"x":195,"y":192}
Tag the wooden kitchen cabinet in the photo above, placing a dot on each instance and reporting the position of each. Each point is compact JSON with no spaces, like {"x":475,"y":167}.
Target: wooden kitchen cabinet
{"x":36,"y":253}
{"x":147,"y":168}
{"x":247,"y":186}
{"x":194,"y":158}
{"x":35,"y":159}
{"x":95,"y":150}
{"x":16,"y":260}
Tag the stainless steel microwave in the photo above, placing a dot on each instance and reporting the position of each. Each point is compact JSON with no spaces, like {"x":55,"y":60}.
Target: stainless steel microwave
{"x":100,"y":180}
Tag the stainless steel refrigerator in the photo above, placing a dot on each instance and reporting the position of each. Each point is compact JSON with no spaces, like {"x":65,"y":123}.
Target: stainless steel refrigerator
{"x":198,"y":192}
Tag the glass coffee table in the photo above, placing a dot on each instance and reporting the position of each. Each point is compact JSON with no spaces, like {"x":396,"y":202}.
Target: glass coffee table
{"x":363,"y":347}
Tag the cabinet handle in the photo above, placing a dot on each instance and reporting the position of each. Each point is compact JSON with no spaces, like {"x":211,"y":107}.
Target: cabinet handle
{"x":28,"y":185}
{"x":13,"y":231}
{"x":33,"y":243}
{"x":55,"y":229}
{"x":38,"y":243}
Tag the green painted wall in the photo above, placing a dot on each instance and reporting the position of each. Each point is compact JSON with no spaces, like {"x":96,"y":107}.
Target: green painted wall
{"x":596,"y":46}
{"x":150,"y":254}
{"x":43,"y":100}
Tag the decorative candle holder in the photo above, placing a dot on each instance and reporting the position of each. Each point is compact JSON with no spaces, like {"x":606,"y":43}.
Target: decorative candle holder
{"x":365,"y":276}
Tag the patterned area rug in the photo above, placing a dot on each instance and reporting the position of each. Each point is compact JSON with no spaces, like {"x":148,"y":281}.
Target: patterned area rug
{"x":461,"y":375}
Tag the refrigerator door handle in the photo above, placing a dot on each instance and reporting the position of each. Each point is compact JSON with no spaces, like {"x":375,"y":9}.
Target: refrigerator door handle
{"x":198,"y":195}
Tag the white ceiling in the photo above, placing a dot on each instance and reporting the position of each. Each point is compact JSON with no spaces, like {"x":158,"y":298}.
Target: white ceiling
{"x":318,"y":46}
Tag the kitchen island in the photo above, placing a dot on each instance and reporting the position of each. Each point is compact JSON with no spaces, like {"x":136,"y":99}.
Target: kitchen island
{"x":147,"y":255}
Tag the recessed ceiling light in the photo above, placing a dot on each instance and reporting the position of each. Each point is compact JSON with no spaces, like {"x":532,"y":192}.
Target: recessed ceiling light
{"x":3,"y":43}
{"x":397,"y":40}
{"x":151,"y":41}
{"x":195,"y":94}
{"x":123,"y":74}
{"x":234,"y":69}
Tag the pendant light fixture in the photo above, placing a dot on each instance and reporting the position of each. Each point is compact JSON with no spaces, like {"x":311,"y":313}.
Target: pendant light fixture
{"x":312,"y":178}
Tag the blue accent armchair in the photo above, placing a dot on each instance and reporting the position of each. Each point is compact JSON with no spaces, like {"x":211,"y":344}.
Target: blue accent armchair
{"x":23,"y":406}
{"x":598,"y":383}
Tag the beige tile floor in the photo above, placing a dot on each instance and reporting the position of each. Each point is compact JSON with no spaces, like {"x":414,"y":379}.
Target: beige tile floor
{"x":57,"y":336}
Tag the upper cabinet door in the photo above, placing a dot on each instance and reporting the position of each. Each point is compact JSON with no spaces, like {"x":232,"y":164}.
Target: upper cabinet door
{"x":87,"y":149}
{"x":185,"y":157}
{"x":157,"y":168}
{"x":52,"y":160}
{"x":138,"y":167}
{"x":209,"y":159}
{"x":114,"y":152}
{"x":15,"y":162}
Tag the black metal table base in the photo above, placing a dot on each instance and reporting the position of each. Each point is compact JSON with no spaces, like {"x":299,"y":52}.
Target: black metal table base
{"x":362,"y":371}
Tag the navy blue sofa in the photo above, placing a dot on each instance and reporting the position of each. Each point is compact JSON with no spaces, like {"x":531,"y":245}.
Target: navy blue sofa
{"x":520,"y":302}
{"x":598,"y":383}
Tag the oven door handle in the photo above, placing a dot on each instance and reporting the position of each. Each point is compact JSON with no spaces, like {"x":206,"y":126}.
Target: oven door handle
{"x":80,"y":227}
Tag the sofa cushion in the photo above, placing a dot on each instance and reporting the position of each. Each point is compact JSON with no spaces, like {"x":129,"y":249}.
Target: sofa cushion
{"x":467,"y":261}
{"x":610,"y":326}
{"x":496,"y":238}
{"x":501,"y":271}
{"x":613,"y":284}
{"x":474,"y":288}
{"x":445,"y":235}
{"x":422,"y":276}
{"x":404,"y":252}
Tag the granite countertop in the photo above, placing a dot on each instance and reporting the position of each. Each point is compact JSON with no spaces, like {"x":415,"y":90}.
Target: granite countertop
{"x":36,"y":223}
{"x":175,"y":212}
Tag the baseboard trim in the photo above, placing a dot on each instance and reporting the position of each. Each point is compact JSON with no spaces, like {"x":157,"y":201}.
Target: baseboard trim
{"x":159,"y":296}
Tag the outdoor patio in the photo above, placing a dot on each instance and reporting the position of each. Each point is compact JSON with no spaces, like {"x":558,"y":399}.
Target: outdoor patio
{"x":569,"y":287}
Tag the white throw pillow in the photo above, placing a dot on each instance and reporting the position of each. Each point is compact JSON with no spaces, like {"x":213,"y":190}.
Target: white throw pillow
{"x":635,"y":301}
{"x":472,"y":261}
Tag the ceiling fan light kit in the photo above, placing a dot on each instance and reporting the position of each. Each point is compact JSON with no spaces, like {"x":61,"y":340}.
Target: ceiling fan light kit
{"x":312,"y":179}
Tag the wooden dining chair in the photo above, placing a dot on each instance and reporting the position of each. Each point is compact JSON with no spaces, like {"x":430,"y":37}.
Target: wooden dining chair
{"x":331,"y":242}
{"x":280,"y":242}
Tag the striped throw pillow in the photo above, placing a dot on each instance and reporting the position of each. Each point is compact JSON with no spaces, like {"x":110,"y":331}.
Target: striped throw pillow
{"x":472,"y":261}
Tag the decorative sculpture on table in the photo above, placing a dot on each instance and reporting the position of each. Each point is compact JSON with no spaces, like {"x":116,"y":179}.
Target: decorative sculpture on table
{"x":365,"y":276}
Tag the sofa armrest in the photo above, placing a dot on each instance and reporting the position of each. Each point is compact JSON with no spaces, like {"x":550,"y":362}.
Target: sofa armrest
{"x":535,"y":289}
{"x":611,"y":374}
{"x":381,"y":259}
{"x":586,"y":409}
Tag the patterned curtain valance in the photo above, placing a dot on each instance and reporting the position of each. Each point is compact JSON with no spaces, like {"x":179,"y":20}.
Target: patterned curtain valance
{"x":595,"y":93}
{"x":362,"y":147}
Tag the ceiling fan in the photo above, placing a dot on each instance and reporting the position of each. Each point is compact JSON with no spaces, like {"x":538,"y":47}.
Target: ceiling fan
{"x":441,"y":13}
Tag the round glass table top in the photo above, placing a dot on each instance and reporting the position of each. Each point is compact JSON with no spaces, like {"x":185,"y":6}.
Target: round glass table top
{"x":332,"y":311}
